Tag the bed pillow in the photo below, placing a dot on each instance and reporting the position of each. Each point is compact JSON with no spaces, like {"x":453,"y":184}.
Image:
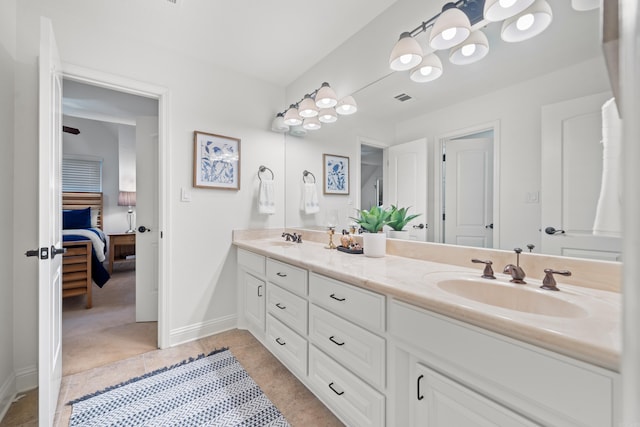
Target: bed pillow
{"x":76,"y":218}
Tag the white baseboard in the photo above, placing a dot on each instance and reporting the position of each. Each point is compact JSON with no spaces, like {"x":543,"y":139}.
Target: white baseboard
{"x":201,"y":330}
{"x":7,"y":394}
{"x":26,"y":378}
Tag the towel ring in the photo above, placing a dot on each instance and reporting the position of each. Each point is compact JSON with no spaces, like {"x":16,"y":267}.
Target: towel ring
{"x":305,"y":174}
{"x":262,"y":169}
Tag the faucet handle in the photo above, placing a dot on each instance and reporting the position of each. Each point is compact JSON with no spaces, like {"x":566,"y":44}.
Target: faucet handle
{"x":488,"y":271}
{"x":549,"y":282}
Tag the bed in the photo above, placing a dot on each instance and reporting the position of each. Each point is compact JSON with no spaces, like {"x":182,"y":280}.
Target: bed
{"x":85,"y":243}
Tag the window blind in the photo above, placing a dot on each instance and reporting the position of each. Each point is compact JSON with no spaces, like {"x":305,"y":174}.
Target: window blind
{"x":81,"y":175}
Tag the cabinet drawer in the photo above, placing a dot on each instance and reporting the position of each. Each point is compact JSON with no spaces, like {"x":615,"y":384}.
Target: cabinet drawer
{"x":354,"y":347}
{"x":289,"y":277}
{"x":541,"y":385}
{"x":251,"y":261}
{"x":356,"y":403}
{"x":290,"y":347}
{"x":359,"y":305}
{"x":287,"y":307}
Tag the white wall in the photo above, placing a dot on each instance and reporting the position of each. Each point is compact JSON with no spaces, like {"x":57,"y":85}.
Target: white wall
{"x":7,"y":252}
{"x":101,"y":140}
{"x":518,"y":110}
{"x":202,"y":97}
{"x":127,"y":158}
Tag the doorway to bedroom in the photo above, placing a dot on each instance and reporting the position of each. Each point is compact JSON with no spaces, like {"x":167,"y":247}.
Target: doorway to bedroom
{"x":110,"y":149}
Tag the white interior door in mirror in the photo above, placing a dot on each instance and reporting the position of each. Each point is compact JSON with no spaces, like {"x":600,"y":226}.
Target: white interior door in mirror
{"x":572,"y":160}
{"x":408,"y":183}
{"x":468,"y":192}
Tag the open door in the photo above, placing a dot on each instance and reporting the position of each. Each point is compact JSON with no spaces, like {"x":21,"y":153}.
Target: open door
{"x":408,"y":183}
{"x":49,"y":226}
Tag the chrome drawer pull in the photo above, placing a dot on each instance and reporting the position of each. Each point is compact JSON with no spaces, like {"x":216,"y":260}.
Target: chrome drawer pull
{"x":281,"y":274}
{"x":334,"y":341}
{"x":334,"y":390}
{"x":259,"y":294}
{"x":278,"y":341}
{"x":281,"y":307}
{"x":336,"y":298}
{"x":420,"y":395}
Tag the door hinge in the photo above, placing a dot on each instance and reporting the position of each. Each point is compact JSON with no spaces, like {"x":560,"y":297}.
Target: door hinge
{"x":444,"y":157}
{"x":443,"y":217}
{"x":161,"y":235}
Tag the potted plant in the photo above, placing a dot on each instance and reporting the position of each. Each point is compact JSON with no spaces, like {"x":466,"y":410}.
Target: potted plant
{"x":398,"y":219}
{"x":374,"y":242}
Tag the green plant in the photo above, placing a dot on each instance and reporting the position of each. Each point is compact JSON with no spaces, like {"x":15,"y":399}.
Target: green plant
{"x":398,"y":217}
{"x":374,"y":219}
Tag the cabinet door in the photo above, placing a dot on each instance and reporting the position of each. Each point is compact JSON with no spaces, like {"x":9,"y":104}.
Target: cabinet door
{"x":254,"y":297}
{"x":441,"y":402}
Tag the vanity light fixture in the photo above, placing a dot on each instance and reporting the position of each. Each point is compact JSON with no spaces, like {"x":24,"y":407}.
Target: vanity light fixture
{"x":457,"y":27}
{"x":320,"y":106}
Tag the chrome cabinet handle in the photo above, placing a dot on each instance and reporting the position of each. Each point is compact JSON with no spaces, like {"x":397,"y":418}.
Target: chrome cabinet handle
{"x":259,"y":294}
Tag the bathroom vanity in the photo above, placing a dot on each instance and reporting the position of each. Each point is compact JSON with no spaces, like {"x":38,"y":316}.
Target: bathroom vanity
{"x":389,"y":341}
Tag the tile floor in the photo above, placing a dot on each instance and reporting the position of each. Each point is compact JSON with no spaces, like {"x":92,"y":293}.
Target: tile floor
{"x":85,"y":373}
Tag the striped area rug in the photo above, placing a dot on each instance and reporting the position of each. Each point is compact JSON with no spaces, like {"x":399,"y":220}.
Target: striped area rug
{"x":212,"y":390}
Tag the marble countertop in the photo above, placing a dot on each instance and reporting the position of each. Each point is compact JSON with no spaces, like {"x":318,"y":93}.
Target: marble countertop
{"x":590,"y":331}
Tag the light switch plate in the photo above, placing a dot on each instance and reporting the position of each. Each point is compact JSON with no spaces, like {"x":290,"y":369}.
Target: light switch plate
{"x":185,"y":194}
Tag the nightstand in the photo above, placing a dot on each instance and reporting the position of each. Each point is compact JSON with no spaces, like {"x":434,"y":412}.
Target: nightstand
{"x":122,"y":248}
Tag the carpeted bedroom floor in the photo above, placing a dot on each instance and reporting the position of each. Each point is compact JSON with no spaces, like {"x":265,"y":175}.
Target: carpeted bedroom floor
{"x":104,"y":346}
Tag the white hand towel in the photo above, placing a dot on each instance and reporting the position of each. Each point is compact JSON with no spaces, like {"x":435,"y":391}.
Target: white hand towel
{"x":608,"y":221}
{"x":310,"y":203}
{"x":266,"y":198}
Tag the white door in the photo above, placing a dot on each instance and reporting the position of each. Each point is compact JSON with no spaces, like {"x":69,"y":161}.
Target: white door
{"x":147,"y":196}
{"x":408,"y":183}
{"x":468,"y":192}
{"x":49,"y":226}
{"x":571,"y":178}
{"x":441,"y":402}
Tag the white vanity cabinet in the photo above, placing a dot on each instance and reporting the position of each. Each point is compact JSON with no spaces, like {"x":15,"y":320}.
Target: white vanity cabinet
{"x":447,"y":370}
{"x":251,"y":273}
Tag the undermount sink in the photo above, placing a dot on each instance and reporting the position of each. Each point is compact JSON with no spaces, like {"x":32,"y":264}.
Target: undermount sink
{"x":282,"y":243}
{"x":512,"y":297}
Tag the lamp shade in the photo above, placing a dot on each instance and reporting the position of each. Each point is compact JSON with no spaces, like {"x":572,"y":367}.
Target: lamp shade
{"x":327,"y":115}
{"x":278,"y":124}
{"x":582,"y":5}
{"x":297,"y":131}
{"x":127,"y":198}
{"x":498,"y":10}
{"x":528,"y":23}
{"x":429,"y":69}
{"x":311,"y":123}
{"x":326,"y":97}
{"x":406,"y":54}
{"x":292,"y":117}
{"x":452,"y":27}
{"x":346,"y":106}
{"x":308,"y":107}
{"x":473,"y":49}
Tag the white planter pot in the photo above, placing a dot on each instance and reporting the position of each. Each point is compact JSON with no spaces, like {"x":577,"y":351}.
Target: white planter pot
{"x":374,"y":244}
{"x":393,"y":234}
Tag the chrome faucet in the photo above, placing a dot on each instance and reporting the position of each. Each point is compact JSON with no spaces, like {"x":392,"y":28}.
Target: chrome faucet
{"x":292,"y":237}
{"x":516,"y":272}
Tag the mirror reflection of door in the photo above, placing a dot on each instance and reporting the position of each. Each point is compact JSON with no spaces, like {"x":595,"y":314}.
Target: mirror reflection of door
{"x":467,"y":175}
{"x":371,"y":176}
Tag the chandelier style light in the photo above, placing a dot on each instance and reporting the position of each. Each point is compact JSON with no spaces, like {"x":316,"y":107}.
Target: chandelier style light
{"x":453,"y":28}
{"x":314,"y":109}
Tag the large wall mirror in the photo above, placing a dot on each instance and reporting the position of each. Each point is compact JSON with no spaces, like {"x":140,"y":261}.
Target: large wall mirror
{"x":500,"y":98}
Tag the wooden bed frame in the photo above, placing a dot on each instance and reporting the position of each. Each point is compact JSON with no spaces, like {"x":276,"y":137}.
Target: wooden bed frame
{"x":76,"y":264}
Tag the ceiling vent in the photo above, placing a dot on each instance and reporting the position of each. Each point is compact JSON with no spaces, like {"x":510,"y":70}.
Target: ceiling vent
{"x":402,"y":97}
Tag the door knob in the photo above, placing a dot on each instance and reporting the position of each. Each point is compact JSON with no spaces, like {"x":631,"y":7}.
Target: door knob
{"x":420,"y":226}
{"x":489,"y":226}
{"x":143,"y":229}
{"x":55,"y":251}
{"x":552,"y":231}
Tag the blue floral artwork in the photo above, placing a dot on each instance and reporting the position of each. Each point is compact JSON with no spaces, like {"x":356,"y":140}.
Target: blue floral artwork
{"x":217,"y":161}
{"x":336,"y":177}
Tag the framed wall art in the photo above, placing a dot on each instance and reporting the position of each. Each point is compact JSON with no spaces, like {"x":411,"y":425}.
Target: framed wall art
{"x":216,"y":161}
{"x":336,"y":174}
